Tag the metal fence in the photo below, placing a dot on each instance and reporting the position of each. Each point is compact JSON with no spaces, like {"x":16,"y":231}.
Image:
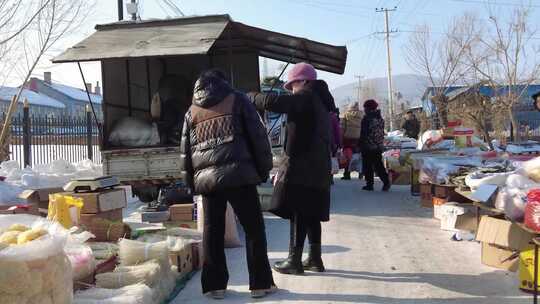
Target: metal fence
{"x":41,"y":139}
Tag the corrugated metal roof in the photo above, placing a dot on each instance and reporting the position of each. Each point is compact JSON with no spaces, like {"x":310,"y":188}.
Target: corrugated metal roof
{"x":200,"y":35}
{"x":145,"y":39}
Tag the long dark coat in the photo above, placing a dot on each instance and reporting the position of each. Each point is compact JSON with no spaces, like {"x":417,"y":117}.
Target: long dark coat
{"x":303,"y":179}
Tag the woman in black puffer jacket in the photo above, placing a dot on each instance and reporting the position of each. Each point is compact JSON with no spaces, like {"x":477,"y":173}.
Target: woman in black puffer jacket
{"x":225,"y":154}
{"x":302,"y":186}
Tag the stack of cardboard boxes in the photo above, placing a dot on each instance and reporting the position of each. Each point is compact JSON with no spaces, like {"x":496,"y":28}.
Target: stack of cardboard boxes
{"x":502,"y":241}
{"x":101,"y":214}
{"x":182,"y":215}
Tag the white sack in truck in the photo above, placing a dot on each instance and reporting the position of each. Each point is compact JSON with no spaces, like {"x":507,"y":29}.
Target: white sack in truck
{"x":134,"y":132}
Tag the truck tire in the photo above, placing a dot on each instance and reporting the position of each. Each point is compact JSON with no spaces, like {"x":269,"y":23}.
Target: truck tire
{"x":146,"y":194}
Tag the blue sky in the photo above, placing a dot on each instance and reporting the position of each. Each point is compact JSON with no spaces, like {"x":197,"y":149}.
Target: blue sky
{"x":339,"y":22}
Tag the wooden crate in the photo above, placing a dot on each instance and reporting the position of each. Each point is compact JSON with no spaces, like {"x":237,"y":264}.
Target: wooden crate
{"x":426,"y":195}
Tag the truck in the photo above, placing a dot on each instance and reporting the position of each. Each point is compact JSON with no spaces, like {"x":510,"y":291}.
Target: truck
{"x":134,"y":55}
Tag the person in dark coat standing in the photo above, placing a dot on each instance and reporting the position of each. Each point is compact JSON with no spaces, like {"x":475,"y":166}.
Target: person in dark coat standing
{"x":225,"y":155}
{"x":302,"y":186}
{"x":372,"y":146}
{"x":411,"y":126}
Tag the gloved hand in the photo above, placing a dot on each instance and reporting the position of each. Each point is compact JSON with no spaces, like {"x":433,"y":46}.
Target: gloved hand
{"x":252,"y":95}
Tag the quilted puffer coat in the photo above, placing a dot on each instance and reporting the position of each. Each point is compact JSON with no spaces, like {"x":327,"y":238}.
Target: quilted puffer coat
{"x":224,"y":143}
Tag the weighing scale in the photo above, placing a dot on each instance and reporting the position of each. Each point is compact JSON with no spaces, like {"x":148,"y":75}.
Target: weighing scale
{"x":92,"y":184}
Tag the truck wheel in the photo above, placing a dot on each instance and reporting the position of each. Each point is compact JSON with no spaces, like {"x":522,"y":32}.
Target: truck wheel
{"x":146,"y":194}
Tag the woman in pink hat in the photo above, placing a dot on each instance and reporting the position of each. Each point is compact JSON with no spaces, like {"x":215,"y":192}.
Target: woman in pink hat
{"x":302,"y":186}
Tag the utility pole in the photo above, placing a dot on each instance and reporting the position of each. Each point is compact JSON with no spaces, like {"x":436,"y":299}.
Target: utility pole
{"x":387,"y":33}
{"x":120,"y":10}
{"x":359,"y":87}
{"x":134,"y":15}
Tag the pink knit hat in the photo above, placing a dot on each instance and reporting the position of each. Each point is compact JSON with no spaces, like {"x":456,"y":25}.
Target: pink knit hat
{"x":300,"y":71}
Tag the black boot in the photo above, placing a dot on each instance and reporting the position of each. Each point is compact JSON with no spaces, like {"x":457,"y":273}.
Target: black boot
{"x":314,"y":261}
{"x":293,"y":264}
{"x":368,"y":188}
{"x":346,"y":175}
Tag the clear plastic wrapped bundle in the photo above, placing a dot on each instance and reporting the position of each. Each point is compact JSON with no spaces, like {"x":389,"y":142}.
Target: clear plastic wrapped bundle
{"x":35,"y":269}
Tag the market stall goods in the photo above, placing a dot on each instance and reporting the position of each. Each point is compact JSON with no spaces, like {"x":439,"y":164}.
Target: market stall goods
{"x":35,"y":269}
{"x":136,"y":252}
{"x":148,"y":273}
{"x":136,"y":294}
{"x":134,"y":132}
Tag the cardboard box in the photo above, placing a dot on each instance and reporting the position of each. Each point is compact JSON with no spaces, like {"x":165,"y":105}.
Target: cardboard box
{"x":155,"y":216}
{"x":111,"y":215}
{"x":182,"y":212}
{"x":503,"y":233}
{"x":19,"y":209}
{"x":39,"y":197}
{"x":467,"y":221}
{"x":95,"y":202}
{"x":500,"y":258}
{"x":107,"y":231}
{"x":183,"y":259}
{"x":181,"y":224}
{"x":501,"y":240}
{"x":426,"y":195}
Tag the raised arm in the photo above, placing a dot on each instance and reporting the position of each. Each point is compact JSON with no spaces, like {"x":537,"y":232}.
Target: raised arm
{"x":278,"y":103}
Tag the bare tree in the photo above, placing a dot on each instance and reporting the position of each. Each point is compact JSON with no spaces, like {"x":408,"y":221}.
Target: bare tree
{"x":507,"y":59}
{"x":49,"y":23}
{"x":440,"y":59}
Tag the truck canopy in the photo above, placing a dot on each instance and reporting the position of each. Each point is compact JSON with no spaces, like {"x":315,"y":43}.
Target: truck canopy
{"x":200,"y":36}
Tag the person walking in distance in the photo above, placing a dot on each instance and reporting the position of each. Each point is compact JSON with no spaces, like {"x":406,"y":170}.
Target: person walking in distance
{"x":372,"y":145}
{"x":351,"y":126}
{"x":225,"y":155}
{"x":302,"y":186}
{"x":411,"y":126}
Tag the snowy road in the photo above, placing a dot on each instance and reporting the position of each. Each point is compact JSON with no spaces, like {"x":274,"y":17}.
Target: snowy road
{"x":378,"y":248}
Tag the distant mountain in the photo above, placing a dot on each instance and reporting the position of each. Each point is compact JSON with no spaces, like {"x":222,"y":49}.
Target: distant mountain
{"x":410,"y":86}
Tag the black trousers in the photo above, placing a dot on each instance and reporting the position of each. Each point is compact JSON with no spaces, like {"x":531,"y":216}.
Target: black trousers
{"x":302,"y":227}
{"x":246,"y":205}
{"x":372,"y":162}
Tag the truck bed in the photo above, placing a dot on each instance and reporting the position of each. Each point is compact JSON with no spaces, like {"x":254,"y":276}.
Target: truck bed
{"x":142,"y":164}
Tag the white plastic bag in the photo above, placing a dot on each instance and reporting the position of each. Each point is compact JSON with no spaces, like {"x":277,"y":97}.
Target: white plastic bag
{"x":518,"y":181}
{"x":232,"y":239}
{"x":335,"y":165}
{"x":514,"y":208}
{"x":532,"y":168}
{"x":476,"y":179}
{"x":134,"y":132}
{"x":356,"y":163}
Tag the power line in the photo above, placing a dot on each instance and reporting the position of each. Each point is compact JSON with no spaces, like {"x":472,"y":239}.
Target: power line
{"x":326,"y":8}
{"x":495,"y":3}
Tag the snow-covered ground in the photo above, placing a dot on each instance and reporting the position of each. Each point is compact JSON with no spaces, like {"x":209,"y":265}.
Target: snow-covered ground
{"x":55,"y":174}
{"x":379,"y":248}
